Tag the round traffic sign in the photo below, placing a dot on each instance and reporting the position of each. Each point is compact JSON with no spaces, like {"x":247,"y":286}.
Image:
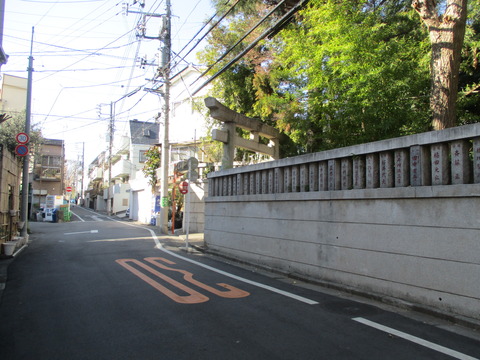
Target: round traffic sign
{"x":21,"y":150}
{"x":22,"y":138}
{"x":68,"y":189}
{"x":183,"y":187}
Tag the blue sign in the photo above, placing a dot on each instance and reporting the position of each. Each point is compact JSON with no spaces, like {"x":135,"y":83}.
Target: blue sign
{"x":157,"y":204}
{"x":21,"y":150}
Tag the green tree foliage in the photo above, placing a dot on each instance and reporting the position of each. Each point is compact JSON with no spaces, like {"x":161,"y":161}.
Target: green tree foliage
{"x":469,"y":79}
{"x":14,"y":125}
{"x":343,"y":72}
{"x":152,"y":163}
{"x":236,"y":88}
{"x":359,"y":74}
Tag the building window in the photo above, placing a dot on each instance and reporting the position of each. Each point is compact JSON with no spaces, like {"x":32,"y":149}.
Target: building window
{"x":51,"y":161}
{"x":49,"y":169}
{"x":141,"y":156}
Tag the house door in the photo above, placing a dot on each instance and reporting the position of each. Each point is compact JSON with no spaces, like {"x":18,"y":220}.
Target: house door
{"x":134,"y":206}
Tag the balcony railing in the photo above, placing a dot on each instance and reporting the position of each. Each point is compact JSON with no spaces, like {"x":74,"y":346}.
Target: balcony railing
{"x":121,"y":168}
{"x":96,"y":174}
{"x":48,"y":174}
{"x":446,"y":157}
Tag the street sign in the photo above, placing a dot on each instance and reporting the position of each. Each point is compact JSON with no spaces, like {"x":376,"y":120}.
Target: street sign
{"x":183,"y":187}
{"x":21,"y":150}
{"x":184,"y":165}
{"x":22,"y":138}
{"x":164,"y":202}
{"x":193,"y":175}
{"x":68,"y":189}
{"x":181,"y":167}
{"x":192,"y":163}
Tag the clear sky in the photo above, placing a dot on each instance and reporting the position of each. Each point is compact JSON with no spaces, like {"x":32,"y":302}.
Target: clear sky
{"x":86,"y":53}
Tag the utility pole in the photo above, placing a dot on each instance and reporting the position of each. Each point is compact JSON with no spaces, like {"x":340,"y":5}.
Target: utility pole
{"x":26,"y":158}
{"x":83,"y":174}
{"x":110,"y":147}
{"x":165,"y":37}
{"x":111,"y":131}
{"x":164,"y":73}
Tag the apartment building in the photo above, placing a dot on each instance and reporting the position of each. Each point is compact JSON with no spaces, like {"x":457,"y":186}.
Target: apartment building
{"x":48,"y":169}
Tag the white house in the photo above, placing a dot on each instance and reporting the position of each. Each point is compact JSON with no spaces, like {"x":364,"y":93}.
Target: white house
{"x":130,"y":188}
{"x":141,"y":199}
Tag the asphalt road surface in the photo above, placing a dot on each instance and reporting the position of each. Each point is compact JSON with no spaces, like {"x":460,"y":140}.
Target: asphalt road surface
{"x":97,"y":288}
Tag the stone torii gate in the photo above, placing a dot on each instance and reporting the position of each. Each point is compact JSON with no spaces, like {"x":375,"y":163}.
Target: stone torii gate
{"x":230,"y":139}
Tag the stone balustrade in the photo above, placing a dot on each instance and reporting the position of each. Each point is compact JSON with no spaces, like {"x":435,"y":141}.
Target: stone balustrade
{"x":446,"y":157}
{"x":397,"y":218}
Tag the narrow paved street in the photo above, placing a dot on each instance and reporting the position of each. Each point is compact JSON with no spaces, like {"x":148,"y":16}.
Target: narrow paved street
{"x":98,"y":288}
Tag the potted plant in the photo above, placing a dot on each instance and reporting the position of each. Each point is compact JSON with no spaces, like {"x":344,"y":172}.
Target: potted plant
{"x":9,"y":247}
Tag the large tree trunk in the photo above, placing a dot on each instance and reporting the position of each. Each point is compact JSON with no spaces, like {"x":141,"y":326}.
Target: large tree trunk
{"x":447,"y":32}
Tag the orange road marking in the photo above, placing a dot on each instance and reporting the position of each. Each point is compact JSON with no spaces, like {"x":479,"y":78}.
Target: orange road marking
{"x":231,"y":293}
{"x":194,"y":297}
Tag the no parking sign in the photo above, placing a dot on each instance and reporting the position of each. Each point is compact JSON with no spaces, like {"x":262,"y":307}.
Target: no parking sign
{"x":21,"y":150}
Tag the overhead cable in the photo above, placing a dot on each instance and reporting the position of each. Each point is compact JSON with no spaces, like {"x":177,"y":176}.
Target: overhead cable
{"x":87,"y":56}
{"x":241,"y":39}
{"x":209,"y":30}
{"x":87,"y":51}
{"x":276,"y":27}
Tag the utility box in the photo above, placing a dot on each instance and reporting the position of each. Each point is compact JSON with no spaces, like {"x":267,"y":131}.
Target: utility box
{"x":48,"y":215}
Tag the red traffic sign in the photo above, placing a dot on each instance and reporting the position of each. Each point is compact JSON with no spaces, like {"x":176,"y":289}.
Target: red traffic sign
{"x":68,"y":189}
{"x":21,"y":150}
{"x":22,"y":138}
{"x":183,"y":187}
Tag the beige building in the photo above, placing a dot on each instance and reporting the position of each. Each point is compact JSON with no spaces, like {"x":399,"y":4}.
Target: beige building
{"x":9,"y":195}
{"x":48,"y":171}
{"x":13,"y":95}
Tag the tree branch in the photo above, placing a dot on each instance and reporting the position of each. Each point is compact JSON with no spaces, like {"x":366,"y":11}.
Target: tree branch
{"x":472,"y":90}
{"x":427,"y":11}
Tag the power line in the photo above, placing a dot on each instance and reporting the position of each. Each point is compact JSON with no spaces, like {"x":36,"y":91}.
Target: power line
{"x":269,"y":32}
{"x":243,"y":38}
{"x":87,"y":56}
{"x":74,"y":70}
{"x":88,"y":51}
{"x":209,"y":30}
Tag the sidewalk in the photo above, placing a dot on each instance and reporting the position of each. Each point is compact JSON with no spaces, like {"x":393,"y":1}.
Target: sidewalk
{"x":195,"y":241}
{"x":4,"y":262}
{"x":178,"y":239}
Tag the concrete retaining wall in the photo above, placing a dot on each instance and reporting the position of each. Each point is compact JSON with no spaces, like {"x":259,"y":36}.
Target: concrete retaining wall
{"x":414,"y":238}
{"x":198,"y":192}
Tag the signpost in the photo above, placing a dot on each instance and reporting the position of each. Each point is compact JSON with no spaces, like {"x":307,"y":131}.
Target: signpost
{"x":188,"y":167}
{"x":22,"y":139}
{"x":68,"y":189}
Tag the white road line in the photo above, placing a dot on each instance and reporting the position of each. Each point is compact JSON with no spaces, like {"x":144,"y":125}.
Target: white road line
{"x":417,"y":340}
{"x":254,"y":283}
{"x":82,"y":232}
{"x":78,"y":216}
